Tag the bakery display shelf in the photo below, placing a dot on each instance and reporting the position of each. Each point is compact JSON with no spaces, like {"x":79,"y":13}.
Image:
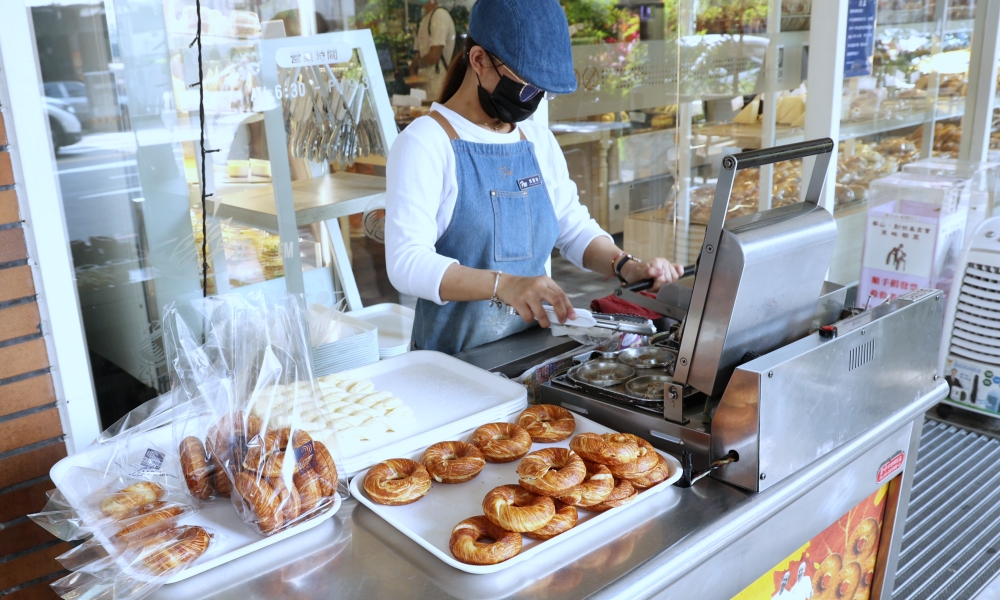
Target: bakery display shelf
{"x":316,"y":200}
{"x":429,"y":520}
{"x":946,"y":109}
{"x":928,"y":27}
{"x":749,"y":135}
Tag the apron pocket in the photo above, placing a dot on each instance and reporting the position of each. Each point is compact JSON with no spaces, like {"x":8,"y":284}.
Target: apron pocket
{"x":511,"y":225}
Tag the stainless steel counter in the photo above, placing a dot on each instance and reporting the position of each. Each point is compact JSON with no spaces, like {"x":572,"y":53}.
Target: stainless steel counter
{"x":709,"y":541}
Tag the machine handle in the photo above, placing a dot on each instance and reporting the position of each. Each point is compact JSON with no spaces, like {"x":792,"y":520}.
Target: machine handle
{"x":767,"y":156}
{"x":645,"y":284}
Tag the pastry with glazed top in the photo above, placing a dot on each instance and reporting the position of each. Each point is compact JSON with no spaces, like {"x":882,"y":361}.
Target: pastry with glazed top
{"x":620,"y":496}
{"x":547,"y":423}
{"x":607,"y":449}
{"x":564,"y":520}
{"x":516,"y":509}
{"x":551,"y":471}
{"x":596,"y":487}
{"x":397,"y":481}
{"x":501,"y":442}
{"x":453,"y":462}
{"x":126,"y":500}
{"x":477,"y":541}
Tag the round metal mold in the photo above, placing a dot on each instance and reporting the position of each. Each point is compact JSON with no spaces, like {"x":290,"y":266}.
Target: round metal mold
{"x":648,"y":387}
{"x":647,"y":357}
{"x":602,"y":373}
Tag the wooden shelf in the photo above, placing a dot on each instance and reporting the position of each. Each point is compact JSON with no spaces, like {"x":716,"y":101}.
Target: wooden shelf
{"x":316,"y":200}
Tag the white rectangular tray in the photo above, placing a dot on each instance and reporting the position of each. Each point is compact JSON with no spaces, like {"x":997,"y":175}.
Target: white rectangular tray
{"x":447,"y":396}
{"x":429,"y":521}
{"x":235,"y":538}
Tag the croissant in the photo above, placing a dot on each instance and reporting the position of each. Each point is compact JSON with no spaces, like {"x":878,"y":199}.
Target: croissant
{"x":196,"y":468}
{"x":310,"y":493}
{"x":126,"y":500}
{"x":325,"y":468}
{"x":151,"y":523}
{"x":261,"y":499}
{"x":191,"y":543}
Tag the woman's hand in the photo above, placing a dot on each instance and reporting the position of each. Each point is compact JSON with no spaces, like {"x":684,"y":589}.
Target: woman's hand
{"x":660,"y":270}
{"x":526,"y":295}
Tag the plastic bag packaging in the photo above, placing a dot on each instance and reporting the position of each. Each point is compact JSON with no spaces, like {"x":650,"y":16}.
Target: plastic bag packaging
{"x":140,"y":568}
{"x":242,"y":368}
{"x":127,"y":506}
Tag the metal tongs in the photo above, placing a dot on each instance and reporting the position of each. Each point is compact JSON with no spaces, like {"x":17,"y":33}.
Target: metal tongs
{"x":625,"y":323}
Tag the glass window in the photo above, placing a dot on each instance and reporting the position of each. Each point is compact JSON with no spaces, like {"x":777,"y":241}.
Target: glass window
{"x":126,"y":132}
{"x":53,"y":90}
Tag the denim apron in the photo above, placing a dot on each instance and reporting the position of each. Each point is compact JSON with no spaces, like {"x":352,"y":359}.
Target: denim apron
{"x":503,"y":221}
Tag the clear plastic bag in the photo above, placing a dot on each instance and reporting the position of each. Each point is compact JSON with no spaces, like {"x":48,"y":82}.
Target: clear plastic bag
{"x":137,"y":569}
{"x":129,"y":513}
{"x":242,"y":365}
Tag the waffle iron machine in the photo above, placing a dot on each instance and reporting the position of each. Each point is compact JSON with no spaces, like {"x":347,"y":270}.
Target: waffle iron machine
{"x":765,"y":371}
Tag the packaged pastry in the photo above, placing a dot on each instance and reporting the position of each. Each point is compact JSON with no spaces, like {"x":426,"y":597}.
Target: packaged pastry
{"x":245,"y":397}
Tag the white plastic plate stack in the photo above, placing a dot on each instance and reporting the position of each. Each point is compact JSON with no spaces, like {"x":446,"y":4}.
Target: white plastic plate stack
{"x":347,"y":353}
{"x":394,"y":323}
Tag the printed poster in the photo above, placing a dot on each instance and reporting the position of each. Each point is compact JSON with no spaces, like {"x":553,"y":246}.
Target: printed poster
{"x":839,"y":563}
{"x":898,"y":256}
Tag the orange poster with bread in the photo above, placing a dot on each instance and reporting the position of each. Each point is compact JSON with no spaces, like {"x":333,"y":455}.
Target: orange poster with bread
{"x":839,"y":563}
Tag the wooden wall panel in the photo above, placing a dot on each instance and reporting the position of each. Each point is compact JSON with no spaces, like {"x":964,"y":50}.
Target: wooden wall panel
{"x":24,"y":501}
{"x":19,"y":321}
{"x":21,"y":537}
{"x":16,"y":282}
{"x":30,"y":429}
{"x":31,"y":566}
{"x":23,"y":358}
{"x":12,"y":245}
{"x":8,"y":207}
{"x":3,"y":131}
{"x":25,"y":394}
{"x":6,"y":169}
{"x":31,"y":464}
{"x":39,"y":591}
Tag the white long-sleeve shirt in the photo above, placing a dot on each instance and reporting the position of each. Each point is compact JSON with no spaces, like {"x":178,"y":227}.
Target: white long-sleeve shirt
{"x":422,"y":188}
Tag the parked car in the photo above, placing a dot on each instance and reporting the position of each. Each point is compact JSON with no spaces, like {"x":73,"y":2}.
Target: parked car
{"x":65,"y":127}
{"x":73,"y":93}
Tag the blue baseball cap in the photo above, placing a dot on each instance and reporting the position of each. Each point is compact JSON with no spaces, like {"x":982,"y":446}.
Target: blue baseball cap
{"x":529,"y":36}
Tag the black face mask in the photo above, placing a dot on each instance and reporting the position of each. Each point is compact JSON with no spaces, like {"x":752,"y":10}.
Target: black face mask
{"x":505,"y":101}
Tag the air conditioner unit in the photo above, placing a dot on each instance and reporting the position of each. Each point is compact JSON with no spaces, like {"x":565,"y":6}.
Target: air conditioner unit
{"x":970,"y":349}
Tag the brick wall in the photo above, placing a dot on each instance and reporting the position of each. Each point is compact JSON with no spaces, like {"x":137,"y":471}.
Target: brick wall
{"x":31,"y":435}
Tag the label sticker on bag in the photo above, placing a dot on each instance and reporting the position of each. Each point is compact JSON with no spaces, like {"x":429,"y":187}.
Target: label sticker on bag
{"x":529,"y":182}
{"x":890,"y":466}
{"x":150,"y":465}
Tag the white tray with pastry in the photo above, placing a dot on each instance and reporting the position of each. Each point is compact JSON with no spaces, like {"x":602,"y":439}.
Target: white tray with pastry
{"x":405,"y":403}
{"x":494,"y":514}
{"x":233,"y":537}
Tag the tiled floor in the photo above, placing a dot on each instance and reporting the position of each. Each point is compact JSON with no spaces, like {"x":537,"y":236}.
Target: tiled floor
{"x":991,"y":592}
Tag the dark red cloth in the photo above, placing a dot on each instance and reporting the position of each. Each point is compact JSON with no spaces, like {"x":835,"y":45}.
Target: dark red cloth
{"x":613,"y":305}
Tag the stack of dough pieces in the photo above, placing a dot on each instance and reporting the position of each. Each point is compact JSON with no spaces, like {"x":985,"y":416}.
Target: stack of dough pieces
{"x":350,"y":407}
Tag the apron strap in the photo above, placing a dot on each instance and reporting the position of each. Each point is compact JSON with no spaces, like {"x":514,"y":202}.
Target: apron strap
{"x":443,"y":122}
{"x":452,"y":134}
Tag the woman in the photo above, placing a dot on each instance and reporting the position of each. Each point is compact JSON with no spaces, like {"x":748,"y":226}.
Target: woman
{"x":477,"y":198}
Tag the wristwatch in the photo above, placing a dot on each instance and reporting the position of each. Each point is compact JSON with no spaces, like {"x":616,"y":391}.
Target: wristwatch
{"x":619,"y":262}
